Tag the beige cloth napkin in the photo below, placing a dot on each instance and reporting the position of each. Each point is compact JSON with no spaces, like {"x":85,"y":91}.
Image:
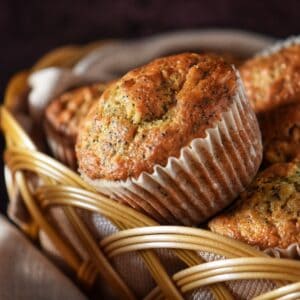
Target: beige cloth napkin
{"x":25,"y":274}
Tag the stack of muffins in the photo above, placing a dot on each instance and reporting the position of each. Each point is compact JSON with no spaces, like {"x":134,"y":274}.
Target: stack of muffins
{"x":267,"y":214}
{"x":179,"y":140}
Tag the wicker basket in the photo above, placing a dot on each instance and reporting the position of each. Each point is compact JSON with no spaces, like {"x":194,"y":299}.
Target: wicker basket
{"x":63,"y":188}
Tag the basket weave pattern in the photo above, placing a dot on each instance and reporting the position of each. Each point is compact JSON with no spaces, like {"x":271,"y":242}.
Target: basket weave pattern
{"x":63,"y":188}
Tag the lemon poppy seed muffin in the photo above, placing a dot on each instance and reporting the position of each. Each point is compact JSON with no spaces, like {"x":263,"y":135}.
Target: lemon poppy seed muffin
{"x":268,"y":212}
{"x":152,"y":112}
{"x":272,"y":79}
{"x":272,"y":83}
{"x":281,"y":133}
{"x":62,"y":118}
{"x":148,"y":143}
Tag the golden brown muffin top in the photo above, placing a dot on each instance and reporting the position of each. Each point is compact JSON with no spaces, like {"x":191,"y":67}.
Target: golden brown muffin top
{"x":281,"y":133}
{"x":268,"y":213}
{"x":65,"y":112}
{"x":151,"y":113}
{"x":273,"y":80}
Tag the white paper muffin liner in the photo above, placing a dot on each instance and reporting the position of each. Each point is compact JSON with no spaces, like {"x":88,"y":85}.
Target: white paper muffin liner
{"x":208,"y":175}
{"x":278,"y":46}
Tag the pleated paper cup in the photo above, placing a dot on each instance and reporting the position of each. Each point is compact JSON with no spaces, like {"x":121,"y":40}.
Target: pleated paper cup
{"x":207,"y":176}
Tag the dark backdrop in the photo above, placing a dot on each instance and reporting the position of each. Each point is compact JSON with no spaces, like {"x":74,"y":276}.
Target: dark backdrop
{"x":30,"y":28}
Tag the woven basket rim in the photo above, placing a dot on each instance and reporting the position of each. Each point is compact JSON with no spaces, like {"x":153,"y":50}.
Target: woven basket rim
{"x":19,"y":157}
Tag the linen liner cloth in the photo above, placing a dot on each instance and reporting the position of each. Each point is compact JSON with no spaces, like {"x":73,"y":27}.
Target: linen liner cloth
{"x":109,"y":62}
{"x":25,"y":274}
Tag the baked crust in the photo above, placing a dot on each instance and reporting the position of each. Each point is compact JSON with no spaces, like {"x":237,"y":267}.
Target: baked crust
{"x":281,"y":133}
{"x":268,"y":213}
{"x":151,"y":113}
{"x":64,"y":113}
{"x":273,"y":80}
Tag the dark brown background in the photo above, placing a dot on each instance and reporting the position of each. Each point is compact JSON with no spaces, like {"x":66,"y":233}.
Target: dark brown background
{"x":28,"y":29}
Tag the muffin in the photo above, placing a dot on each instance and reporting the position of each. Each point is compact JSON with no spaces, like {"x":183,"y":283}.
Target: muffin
{"x":268,"y":212}
{"x":272,"y":78}
{"x":272,"y":84}
{"x":175,"y":139}
{"x":281,"y":133}
{"x":62,"y":118}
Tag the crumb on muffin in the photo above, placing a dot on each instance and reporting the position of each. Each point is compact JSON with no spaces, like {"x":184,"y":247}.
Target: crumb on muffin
{"x":151,"y":113}
{"x":267,"y":214}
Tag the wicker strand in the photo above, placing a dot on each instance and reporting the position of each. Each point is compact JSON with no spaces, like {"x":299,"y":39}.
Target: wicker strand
{"x":17,"y":162}
{"x":102,"y":264}
{"x":62,"y":195}
{"x":284,"y":291}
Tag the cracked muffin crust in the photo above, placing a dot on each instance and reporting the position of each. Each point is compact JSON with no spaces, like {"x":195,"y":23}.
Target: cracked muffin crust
{"x":151,"y":113}
{"x":62,"y":118}
{"x":268,"y":212}
{"x":273,"y":80}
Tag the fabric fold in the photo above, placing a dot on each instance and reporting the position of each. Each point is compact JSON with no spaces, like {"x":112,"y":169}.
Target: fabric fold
{"x":26,"y":274}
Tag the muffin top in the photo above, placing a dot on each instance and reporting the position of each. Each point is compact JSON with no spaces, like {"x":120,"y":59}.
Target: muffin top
{"x":281,"y":133}
{"x":272,"y":80}
{"x":64,"y":113}
{"x":268,"y":213}
{"x":151,"y":113}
